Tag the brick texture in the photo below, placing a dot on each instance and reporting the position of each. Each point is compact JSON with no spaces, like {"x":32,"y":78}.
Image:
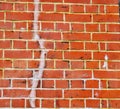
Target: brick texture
{"x":77,"y":34}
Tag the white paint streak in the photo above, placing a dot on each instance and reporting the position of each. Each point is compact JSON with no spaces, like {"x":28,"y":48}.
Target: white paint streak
{"x":37,"y":74}
{"x":105,"y":65}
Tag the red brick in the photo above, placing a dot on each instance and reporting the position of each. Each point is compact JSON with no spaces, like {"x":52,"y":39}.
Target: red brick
{"x":107,"y":74}
{"x":18,"y":35}
{"x":21,"y":1}
{"x":4,"y":83}
{"x":77,"y":1}
{"x":112,"y":9}
{"x":77,"y":84}
{"x":25,"y":35}
{"x":114,"y":84}
{"x":92,"y":64}
{"x":77,"y":64}
{"x":18,"y":103}
{"x":49,"y":44}
{"x":20,"y":64}
{"x":17,"y":74}
{"x":92,"y":84}
{"x":91,"y":46}
{"x":50,"y":35}
{"x":1,"y":34}
{"x":19,"y":16}
{"x":92,"y":27}
{"x":111,"y":55}
{"x":78,"y":17}
{"x":47,"y":26}
{"x":77,"y":45}
{"x":49,"y":93}
{"x":62,"y":84}
{"x":77,"y":103}
{"x":77,"y":27}
{"x":104,"y":103}
{"x":19,"y":44}
{"x":1,"y":75}
{"x":37,"y":103}
{"x":19,"y":83}
{"x":102,"y":9}
{"x":49,"y":64}
{"x":114,"y":104}
{"x":62,"y":64}
{"x":76,"y":36}
{"x":18,"y":54}
{"x":11,"y":35}
{"x":106,"y":37}
{"x":20,"y":7}
{"x":62,"y":27}
{"x":102,"y":27}
{"x":6,"y":25}
{"x":48,"y":7}
{"x":51,"y":17}
{"x":47,"y":103}
{"x":37,"y":54}
{"x":20,"y":25}
{"x":54,"y":55}
{"x":48,"y":84}
{"x":5,"y":64}
{"x":107,"y":94}
{"x":1,"y":15}
{"x":105,"y":2}
{"x":114,"y":65}
{"x":15,"y":93}
{"x":103,"y":84}
{"x":105,"y":18}
{"x":62,"y":103}
{"x":93,"y":103}
{"x":91,"y":8}
{"x":33,"y":45}
{"x":77,"y":55}
{"x":33,"y":64}
{"x":78,"y":74}
{"x":51,"y":0}
{"x":77,"y":8}
{"x":62,"y":45}
{"x":102,"y":46}
{"x":6,"y":6}
{"x":53,"y":74}
{"x":62,"y":8}
{"x":113,"y":28}
{"x":4,"y":103}
{"x":30,"y":6}
{"x":77,"y":93}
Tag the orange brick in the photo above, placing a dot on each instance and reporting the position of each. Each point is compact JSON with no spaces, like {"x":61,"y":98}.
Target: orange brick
{"x":18,"y":103}
{"x":62,"y":84}
{"x":47,"y":103}
{"x":93,"y":103}
{"x":92,"y":84}
{"x":77,"y":84}
{"x":62,"y":103}
{"x":77,"y":93}
{"x":62,"y":8}
{"x":77,"y":103}
{"x":78,"y":18}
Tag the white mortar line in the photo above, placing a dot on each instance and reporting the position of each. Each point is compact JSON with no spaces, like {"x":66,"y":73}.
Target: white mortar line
{"x":105,"y":65}
{"x":37,"y":74}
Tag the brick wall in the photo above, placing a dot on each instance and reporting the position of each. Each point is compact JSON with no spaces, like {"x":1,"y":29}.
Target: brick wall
{"x":82,"y":65}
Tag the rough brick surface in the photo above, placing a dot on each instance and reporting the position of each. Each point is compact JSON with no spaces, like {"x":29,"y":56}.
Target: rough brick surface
{"x":78,"y":34}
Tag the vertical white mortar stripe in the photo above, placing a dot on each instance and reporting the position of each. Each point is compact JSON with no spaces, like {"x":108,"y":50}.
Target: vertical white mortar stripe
{"x":105,"y":65}
{"x":37,"y":75}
